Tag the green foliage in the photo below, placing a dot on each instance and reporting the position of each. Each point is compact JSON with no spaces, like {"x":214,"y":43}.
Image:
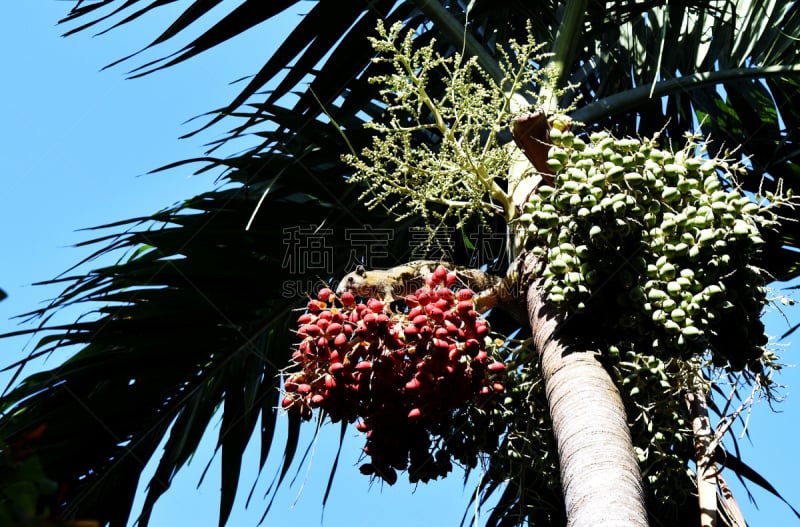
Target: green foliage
{"x":222,"y":327}
{"x":526,"y":461}
{"x":26,"y":492}
{"x":442,"y":157}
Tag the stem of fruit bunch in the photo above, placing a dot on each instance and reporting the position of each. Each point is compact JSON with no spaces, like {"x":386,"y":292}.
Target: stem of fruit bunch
{"x":706,"y":468}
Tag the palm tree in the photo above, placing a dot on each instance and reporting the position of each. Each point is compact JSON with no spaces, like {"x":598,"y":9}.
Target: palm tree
{"x":206,"y":281}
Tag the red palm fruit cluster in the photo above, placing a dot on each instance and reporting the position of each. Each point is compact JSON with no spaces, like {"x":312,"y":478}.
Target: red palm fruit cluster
{"x":400,"y":375}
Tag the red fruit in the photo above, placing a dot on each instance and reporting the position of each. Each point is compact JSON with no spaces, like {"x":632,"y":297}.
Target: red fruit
{"x":305,"y":318}
{"x":317,"y":400}
{"x":308,"y":347}
{"x":485,"y":390}
{"x":445,"y":294}
{"x":471,"y":347}
{"x":411,"y":301}
{"x":326,"y":315}
{"x":452,"y":316}
{"x":394,"y":342}
{"x":465,"y":294}
{"x":440,"y":273}
{"x":347,"y":299}
{"x":415,"y":312}
{"x":334,"y":356}
{"x":498,"y":387}
{"x":451,"y":279}
{"x":455,"y":354}
{"x":334,"y":328}
{"x":364,"y":365}
{"x":413,"y":384}
{"x":375,"y":305}
{"x":315,"y":306}
{"x":464,"y":307}
{"x":410,"y":331}
{"x":420,"y":320}
{"x":431,"y":281}
{"x":441,"y":333}
{"x":371,"y":319}
{"x":451,"y":328}
{"x":481,"y":329}
{"x":323,"y":323}
{"x":287,"y":401}
{"x":340,"y":340}
{"x":382,"y":318}
{"x":309,"y":330}
{"x":481,"y":357}
{"x":336,"y":367}
{"x":290,"y":385}
{"x":304,"y":388}
{"x":442,"y":303}
{"x":496,"y":366}
{"x":414,"y":414}
{"x":423,"y":297}
{"x":440,"y":344}
{"x":361,"y":426}
{"x":324,"y":294}
{"x":330,"y":382}
{"x":436,"y":314}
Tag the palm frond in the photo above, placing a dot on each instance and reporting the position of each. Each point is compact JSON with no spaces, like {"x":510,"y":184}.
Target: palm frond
{"x":192,"y":326}
{"x":737,"y":66}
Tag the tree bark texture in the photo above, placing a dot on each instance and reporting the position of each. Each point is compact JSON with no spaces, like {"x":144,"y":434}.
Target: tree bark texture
{"x":600,"y":474}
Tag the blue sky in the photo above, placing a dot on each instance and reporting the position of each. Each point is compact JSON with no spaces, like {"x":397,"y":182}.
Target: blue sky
{"x":77,"y":144}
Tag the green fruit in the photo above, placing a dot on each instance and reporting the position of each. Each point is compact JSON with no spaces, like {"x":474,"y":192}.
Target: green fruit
{"x":558,"y":266}
{"x":678,"y":315}
{"x":667,"y":271}
{"x":636,"y":294}
{"x":559,"y":154}
{"x":670,"y":194}
{"x":554,"y":165}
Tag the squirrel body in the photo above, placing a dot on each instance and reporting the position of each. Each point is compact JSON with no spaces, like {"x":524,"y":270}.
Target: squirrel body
{"x":402,"y":280}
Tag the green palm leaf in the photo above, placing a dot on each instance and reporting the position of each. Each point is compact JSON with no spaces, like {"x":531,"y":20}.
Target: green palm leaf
{"x":192,"y":326}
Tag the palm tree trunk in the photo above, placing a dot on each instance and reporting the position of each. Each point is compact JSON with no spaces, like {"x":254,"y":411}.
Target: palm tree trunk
{"x":600,"y":474}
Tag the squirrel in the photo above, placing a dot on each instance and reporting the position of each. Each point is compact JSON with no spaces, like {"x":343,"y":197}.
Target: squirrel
{"x":405,"y":279}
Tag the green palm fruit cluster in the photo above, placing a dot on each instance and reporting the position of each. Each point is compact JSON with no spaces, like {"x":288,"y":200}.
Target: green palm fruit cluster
{"x":653,"y":247}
